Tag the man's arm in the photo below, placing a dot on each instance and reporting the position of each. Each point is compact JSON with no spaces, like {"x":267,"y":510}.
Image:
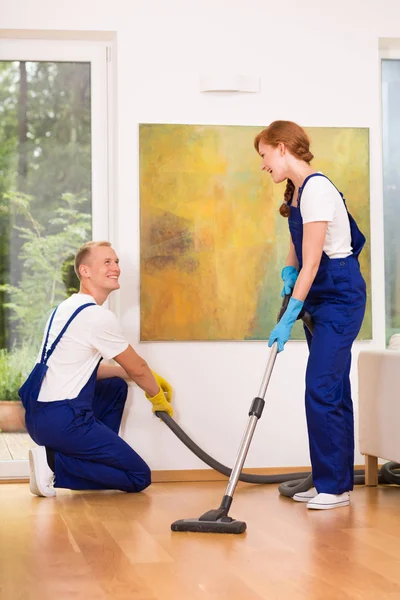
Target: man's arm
{"x":133,"y":367}
{"x":104,"y":371}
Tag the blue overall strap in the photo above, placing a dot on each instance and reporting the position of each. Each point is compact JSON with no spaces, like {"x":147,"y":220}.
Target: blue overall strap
{"x":64,"y":329}
{"x":326,"y":177}
{"x":47,"y":335}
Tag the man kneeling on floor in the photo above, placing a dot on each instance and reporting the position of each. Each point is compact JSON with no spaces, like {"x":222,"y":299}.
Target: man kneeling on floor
{"x":73,"y":403}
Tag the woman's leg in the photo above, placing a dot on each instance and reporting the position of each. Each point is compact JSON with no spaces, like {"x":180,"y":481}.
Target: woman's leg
{"x":329,"y":406}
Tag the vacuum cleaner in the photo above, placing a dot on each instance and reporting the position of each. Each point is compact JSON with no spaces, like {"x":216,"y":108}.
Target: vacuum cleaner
{"x":218,"y":520}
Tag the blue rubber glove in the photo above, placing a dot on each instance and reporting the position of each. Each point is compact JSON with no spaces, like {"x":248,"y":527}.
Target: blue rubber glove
{"x":289,"y":276}
{"x":281,"y":331}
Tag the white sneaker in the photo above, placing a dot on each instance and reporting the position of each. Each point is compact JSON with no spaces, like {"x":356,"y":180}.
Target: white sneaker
{"x":327,"y":501}
{"x":41,"y":476}
{"x":306,"y":496}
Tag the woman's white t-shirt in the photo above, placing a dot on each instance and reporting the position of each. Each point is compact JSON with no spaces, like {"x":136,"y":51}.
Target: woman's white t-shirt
{"x":320,"y":201}
{"x":94,"y":333}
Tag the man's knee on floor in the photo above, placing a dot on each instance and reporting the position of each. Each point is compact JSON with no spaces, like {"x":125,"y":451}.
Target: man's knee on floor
{"x":140,"y":481}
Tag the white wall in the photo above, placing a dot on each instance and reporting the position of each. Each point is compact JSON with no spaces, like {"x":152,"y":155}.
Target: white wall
{"x":319,"y":65}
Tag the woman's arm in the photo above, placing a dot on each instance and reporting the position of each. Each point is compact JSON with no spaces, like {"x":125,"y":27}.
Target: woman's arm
{"x":291,"y":260}
{"x":313,"y":244}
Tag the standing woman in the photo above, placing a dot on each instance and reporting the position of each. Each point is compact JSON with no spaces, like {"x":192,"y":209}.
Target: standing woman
{"x":322,"y":273}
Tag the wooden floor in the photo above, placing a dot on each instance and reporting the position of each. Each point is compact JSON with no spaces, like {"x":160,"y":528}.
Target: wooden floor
{"x":15,"y":446}
{"x":108,"y":545}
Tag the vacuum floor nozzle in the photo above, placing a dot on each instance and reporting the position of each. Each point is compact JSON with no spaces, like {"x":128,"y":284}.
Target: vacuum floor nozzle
{"x":222,"y":525}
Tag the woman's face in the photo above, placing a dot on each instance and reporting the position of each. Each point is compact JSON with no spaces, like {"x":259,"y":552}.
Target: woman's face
{"x":274,"y":161}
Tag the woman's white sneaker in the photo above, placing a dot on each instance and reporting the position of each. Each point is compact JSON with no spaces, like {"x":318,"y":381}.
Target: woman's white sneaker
{"x":306,"y":496}
{"x":41,"y":478}
{"x":327,"y":501}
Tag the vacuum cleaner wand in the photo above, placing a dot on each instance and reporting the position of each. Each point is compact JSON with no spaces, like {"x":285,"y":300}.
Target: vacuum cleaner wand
{"x":217,"y":520}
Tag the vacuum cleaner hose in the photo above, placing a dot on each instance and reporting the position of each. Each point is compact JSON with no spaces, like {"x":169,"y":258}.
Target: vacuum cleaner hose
{"x":215,"y":464}
{"x":291,"y":483}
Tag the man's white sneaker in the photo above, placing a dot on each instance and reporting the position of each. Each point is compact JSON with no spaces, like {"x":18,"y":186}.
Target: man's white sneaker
{"x":306,"y":496}
{"x":41,"y":476}
{"x":327,"y":501}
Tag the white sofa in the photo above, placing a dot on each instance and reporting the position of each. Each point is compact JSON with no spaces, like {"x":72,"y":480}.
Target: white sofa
{"x":379,"y":407}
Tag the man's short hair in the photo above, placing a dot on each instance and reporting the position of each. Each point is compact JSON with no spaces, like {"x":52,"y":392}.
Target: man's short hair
{"x":84,"y":252}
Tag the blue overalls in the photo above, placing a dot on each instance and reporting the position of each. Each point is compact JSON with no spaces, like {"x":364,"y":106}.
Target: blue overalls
{"x":83,"y":432}
{"x":336,"y":302}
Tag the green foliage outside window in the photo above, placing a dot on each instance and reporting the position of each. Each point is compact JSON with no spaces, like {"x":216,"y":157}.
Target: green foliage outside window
{"x":45,"y":201}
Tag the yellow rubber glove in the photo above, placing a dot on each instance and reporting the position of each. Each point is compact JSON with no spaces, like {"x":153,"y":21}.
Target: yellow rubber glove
{"x":164,"y":385}
{"x":160,"y":402}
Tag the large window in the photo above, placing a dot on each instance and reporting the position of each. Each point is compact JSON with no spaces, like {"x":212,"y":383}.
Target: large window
{"x":391,"y":190}
{"x":53,"y":198}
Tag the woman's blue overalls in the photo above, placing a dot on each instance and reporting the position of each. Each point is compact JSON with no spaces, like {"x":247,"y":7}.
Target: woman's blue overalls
{"x":336,"y":302}
{"x":83,"y":432}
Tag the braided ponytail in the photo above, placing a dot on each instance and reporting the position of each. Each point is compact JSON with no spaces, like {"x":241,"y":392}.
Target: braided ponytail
{"x":284,"y":208}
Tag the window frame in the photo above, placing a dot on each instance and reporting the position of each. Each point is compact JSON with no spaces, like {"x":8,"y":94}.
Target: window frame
{"x":389,"y":50}
{"x":98,"y":54}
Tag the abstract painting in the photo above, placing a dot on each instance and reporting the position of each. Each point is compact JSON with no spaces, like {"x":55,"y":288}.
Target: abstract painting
{"x":212,"y":240}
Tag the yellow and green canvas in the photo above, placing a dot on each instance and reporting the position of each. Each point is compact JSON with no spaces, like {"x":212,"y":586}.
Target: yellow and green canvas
{"x":212,"y":240}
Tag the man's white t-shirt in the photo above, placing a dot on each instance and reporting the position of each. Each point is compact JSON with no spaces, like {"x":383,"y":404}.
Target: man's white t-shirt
{"x":94,"y":333}
{"x":320,"y":201}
